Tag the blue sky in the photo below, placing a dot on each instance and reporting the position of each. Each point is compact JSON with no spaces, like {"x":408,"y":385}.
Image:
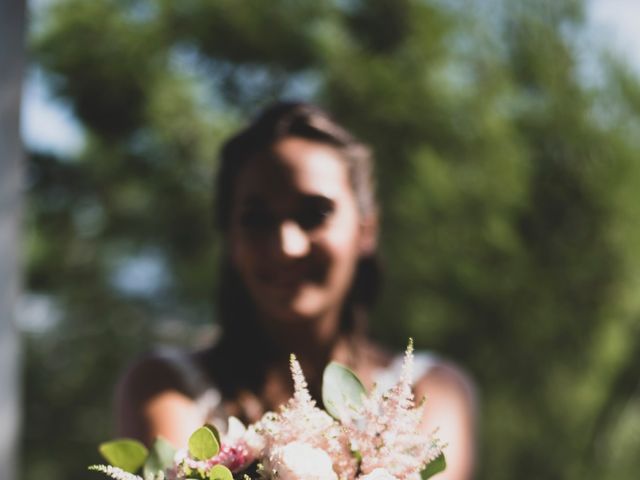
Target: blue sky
{"x":48,"y":124}
{"x":617,"y":22}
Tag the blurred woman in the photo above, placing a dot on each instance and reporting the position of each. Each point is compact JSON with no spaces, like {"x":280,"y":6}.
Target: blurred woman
{"x":297,"y":211}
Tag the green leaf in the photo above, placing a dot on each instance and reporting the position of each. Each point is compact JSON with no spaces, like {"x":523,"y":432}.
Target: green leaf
{"x":341,"y":389}
{"x":220,"y":472}
{"x":125,"y":453}
{"x":215,"y":432}
{"x":160,"y":457}
{"x":357,"y":455}
{"x":437,"y":465}
{"x":203,"y":443}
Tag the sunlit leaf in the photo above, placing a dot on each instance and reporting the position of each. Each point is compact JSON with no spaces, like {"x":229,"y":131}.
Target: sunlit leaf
{"x":437,"y":465}
{"x":126,"y":453}
{"x":341,"y":389}
{"x":220,"y":472}
{"x":203,"y":443}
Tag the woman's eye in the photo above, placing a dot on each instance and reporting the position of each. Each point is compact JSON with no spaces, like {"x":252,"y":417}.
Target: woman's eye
{"x":314,"y":216}
{"x":257,"y":220}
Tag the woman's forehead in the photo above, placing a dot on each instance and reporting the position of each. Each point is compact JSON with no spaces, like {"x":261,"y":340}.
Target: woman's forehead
{"x":295,"y":166}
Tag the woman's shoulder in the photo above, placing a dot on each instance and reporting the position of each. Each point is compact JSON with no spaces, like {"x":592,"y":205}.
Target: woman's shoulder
{"x":441,"y":375}
{"x":168,"y":369}
{"x":451,"y":408}
{"x":425,"y":364}
{"x":160,"y":386}
{"x":157,"y":371}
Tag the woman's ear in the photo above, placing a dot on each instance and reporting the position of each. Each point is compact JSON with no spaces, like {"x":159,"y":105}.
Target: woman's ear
{"x":368,"y":242}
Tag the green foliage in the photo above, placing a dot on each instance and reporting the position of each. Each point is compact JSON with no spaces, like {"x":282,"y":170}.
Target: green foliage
{"x":220,"y":472}
{"x":437,"y":465}
{"x":160,"y":457}
{"x":131,"y":455}
{"x":342,"y":390}
{"x":203,"y":443}
{"x":126,"y":454}
{"x":508,"y":180}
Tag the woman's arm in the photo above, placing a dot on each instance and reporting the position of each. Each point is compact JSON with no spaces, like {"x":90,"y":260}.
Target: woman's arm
{"x":151,"y":400}
{"x":451,"y":408}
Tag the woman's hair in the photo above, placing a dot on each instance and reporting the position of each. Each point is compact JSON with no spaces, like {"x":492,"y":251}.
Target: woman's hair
{"x":290,"y":119}
{"x":293,"y":119}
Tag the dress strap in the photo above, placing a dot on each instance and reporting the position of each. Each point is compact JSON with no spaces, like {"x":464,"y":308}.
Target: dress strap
{"x":423,"y":362}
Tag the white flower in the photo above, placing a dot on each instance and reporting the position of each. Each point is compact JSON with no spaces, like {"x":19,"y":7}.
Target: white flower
{"x":253,"y":441}
{"x":238,"y":434}
{"x":378,"y":474}
{"x":235,"y":431}
{"x":300,"y":461}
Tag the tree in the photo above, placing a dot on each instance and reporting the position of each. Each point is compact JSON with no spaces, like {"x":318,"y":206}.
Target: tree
{"x":508,"y":184}
{"x":11,"y":60}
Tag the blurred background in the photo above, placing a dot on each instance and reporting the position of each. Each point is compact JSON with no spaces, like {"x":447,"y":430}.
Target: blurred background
{"x":507,"y":136}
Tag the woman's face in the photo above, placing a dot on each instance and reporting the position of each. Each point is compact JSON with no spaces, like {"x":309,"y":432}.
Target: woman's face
{"x":296,"y":234}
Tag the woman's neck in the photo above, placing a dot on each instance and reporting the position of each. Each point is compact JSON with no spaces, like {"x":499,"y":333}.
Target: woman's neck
{"x":312,"y":358}
{"x":261,"y":354}
{"x":314,"y":338}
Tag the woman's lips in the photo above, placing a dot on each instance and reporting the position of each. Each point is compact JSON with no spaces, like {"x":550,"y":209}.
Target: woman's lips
{"x":291,"y":276}
{"x":284,"y":280}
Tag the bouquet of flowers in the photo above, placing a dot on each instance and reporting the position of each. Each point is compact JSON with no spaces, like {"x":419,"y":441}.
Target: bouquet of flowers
{"x":358,"y":436}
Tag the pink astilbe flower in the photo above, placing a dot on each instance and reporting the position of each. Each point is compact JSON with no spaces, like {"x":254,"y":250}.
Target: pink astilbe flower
{"x":301,"y":421}
{"x":387,"y":430}
{"x":115,"y":472}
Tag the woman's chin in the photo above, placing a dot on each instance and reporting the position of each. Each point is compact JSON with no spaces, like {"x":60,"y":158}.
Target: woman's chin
{"x":287,"y":305}
{"x":293,"y":316}
{"x":294,"y":312}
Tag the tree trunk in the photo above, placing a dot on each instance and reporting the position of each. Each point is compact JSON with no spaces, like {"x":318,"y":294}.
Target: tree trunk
{"x":12,"y":28}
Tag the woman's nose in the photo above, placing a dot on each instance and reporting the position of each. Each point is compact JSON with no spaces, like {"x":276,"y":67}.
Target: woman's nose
{"x":294,"y":241}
